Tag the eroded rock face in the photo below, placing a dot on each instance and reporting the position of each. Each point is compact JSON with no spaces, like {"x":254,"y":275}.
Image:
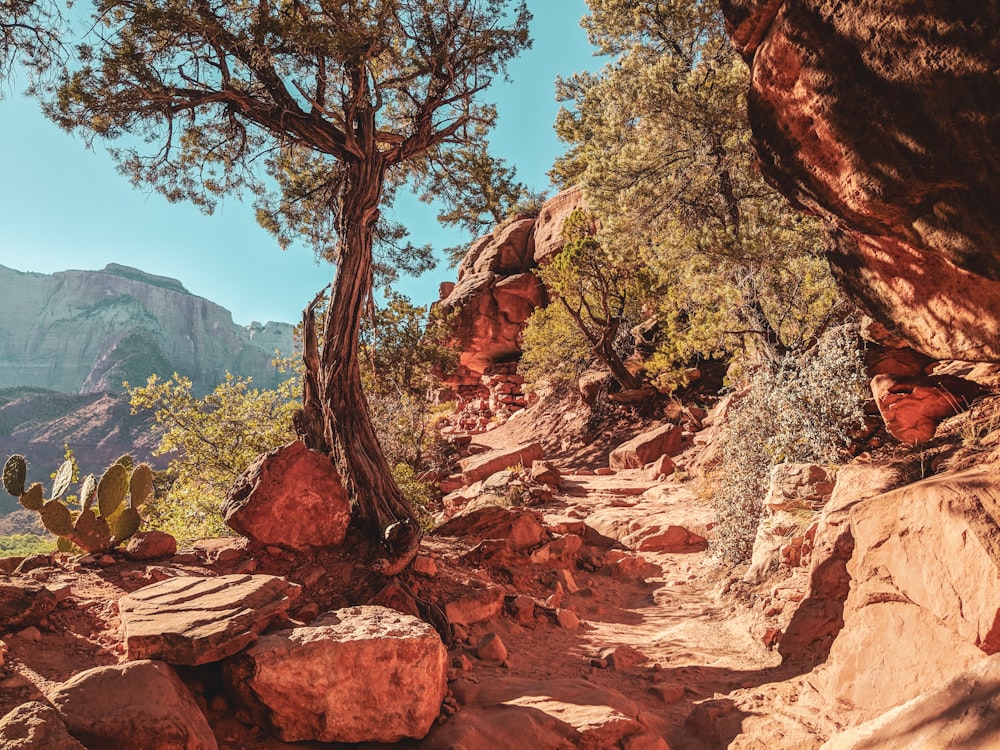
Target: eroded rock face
{"x":133,"y":705}
{"x":361,"y":674}
{"x":885,"y":120}
{"x":35,"y":726}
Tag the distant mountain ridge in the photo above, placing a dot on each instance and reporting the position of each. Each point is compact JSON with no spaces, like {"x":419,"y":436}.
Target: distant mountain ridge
{"x":87,"y":331}
{"x":69,"y":339}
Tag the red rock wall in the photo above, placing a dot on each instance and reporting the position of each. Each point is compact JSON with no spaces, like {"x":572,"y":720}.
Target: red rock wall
{"x":884,"y":117}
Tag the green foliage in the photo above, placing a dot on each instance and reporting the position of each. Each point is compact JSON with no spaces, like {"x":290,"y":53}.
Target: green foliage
{"x":23,"y":545}
{"x":798,"y":409}
{"x":419,"y":494}
{"x":29,"y":35}
{"x":660,"y":141}
{"x":555,"y":350}
{"x":211,"y":441}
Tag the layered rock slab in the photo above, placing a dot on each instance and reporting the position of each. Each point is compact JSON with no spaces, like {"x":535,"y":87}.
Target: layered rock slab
{"x":141,"y":704}
{"x":361,"y":674}
{"x":192,"y":620}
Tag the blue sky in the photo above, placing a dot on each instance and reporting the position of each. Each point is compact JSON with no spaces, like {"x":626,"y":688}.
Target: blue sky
{"x":63,"y":206}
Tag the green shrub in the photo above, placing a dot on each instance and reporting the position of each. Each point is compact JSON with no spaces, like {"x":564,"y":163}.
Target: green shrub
{"x":22,"y":545}
{"x":798,"y":409}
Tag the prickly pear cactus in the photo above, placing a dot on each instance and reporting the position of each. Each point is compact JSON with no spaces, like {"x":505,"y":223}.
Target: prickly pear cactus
{"x":91,"y":533}
{"x":57,"y":518}
{"x":126,"y":462}
{"x":34,"y":497}
{"x":140,"y":486}
{"x":126,"y":525}
{"x":63,"y":477}
{"x":88,"y":491}
{"x":15,"y":472}
{"x":112,"y":488}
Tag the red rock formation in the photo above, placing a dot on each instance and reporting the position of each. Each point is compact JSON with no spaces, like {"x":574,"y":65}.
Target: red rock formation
{"x":885,"y":120}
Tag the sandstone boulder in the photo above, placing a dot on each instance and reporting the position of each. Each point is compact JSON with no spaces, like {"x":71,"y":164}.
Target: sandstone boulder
{"x":912,"y":408}
{"x":964,"y":713}
{"x":521,"y":526}
{"x":476,"y":606}
{"x":649,"y":446}
{"x":924,"y":571}
{"x":590,"y":384}
{"x":361,"y":674}
{"x":192,"y":620}
{"x":140,"y":704}
{"x":479,"y":467}
{"x":35,"y":726}
{"x":150,"y":545}
{"x":291,"y":497}
{"x":883,"y":121}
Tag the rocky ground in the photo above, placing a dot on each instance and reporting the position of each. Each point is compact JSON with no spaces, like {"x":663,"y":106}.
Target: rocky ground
{"x":579,"y":603}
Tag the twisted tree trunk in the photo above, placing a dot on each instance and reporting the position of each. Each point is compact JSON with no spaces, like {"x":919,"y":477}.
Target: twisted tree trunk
{"x":334,"y":417}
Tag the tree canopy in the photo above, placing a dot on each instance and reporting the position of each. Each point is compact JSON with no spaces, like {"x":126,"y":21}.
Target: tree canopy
{"x":323,"y":110}
{"x":660,"y":142}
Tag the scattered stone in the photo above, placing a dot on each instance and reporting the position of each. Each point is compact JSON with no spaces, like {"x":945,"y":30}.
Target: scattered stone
{"x":591,"y":383}
{"x":24,"y":602}
{"x":192,"y":620}
{"x":361,"y":674}
{"x":629,"y":566}
{"x":491,"y":648}
{"x":139,"y":704}
{"x":567,"y":619}
{"x":106,"y":561}
{"x":475,"y":606}
{"x":559,"y":552}
{"x":660,"y":469}
{"x":669,"y":692}
{"x":394,"y":596}
{"x":30,"y":633}
{"x":523,"y":609}
{"x":566,"y":580}
{"x":35,"y":726}
{"x":150,"y":545}
{"x":644,"y":448}
{"x":799,"y":487}
{"x":622,"y":658}
{"x":425,"y":566}
{"x":33,"y":562}
{"x":291,"y":497}
{"x":771,"y":637}
{"x":545,"y":472}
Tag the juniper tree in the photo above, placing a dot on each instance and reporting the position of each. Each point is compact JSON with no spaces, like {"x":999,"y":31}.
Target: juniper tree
{"x":323,"y":108}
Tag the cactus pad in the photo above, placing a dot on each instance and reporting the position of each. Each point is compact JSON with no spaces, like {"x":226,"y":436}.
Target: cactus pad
{"x":87,"y":491}
{"x":56,"y":518}
{"x":126,"y":525}
{"x":63,"y":477}
{"x":15,"y":471}
{"x":91,"y":533}
{"x":63,"y":544}
{"x":112,"y":488}
{"x":34,"y":498}
{"x":141,"y":486}
{"x":126,"y":462}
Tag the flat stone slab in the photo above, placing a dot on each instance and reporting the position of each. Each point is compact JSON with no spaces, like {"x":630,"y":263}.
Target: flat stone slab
{"x":193,"y":620}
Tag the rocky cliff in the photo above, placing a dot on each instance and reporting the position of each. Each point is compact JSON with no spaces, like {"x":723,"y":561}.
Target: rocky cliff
{"x":885,"y":119}
{"x":87,"y":331}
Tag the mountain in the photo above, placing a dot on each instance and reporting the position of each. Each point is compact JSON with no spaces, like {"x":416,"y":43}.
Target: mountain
{"x":87,"y":331}
{"x":68,"y":340}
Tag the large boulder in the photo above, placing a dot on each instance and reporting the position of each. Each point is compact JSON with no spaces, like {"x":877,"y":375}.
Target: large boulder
{"x":548,"y":228}
{"x":291,"y":497}
{"x":925,"y":570}
{"x":883,"y":118}
{"x":361,"y":674}
{"x":35,"y":726}
{"x":140,"y":704}
{"x":193,"y":620}
{"x":647,"y":447}
{"x":963,"y":713}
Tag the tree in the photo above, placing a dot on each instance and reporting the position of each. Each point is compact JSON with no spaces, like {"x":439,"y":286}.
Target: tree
{"x":338,"y":103}
{"x":210,"y":442}
{"x":660,"y":142}
{"x":598,"y":291}
{"x":29,"y":34}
